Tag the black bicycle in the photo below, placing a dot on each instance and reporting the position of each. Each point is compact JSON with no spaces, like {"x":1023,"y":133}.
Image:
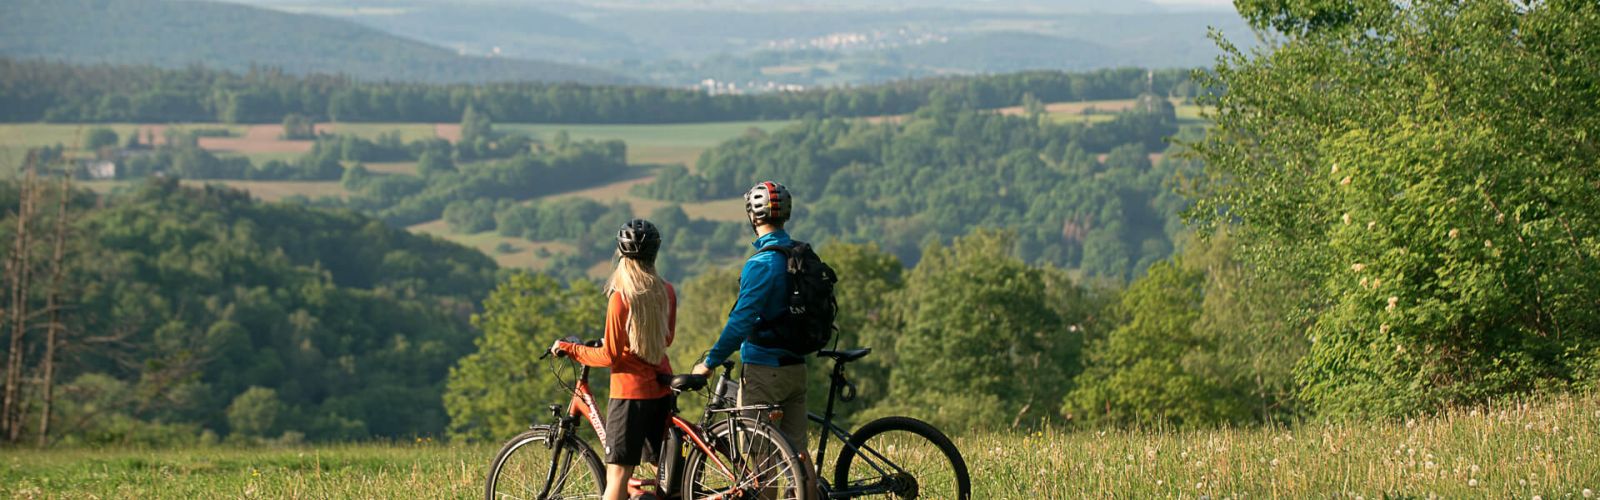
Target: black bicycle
{"x":896,"y":457}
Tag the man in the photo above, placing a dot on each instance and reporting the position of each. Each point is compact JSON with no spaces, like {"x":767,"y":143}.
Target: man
{"x":770,"y":375}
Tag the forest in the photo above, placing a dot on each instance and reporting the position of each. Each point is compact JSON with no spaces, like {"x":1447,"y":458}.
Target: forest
{"x":196,"y":313}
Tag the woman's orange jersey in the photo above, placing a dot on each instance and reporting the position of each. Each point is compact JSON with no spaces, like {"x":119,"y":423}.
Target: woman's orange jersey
{"x":631,"y":376}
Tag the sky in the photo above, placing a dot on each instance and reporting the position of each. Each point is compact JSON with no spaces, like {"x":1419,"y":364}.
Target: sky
{"x":1207,"y":3}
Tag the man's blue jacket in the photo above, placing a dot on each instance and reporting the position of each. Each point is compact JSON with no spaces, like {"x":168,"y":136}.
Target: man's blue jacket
{"x":762,"y":286}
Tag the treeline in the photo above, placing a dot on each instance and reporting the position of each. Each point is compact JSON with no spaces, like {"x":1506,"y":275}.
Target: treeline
{"x":200,"y":314}
{"x":53,"y":92}
{"x":551,"y":168}
{"x":1079,"y":196}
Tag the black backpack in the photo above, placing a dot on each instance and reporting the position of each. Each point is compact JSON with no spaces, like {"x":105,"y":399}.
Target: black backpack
{"x":807,"y":325}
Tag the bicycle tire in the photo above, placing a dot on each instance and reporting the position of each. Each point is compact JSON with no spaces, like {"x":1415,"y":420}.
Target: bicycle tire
{"x":906,"y":437}
{"x":703,"y":478}
{"x":525,"y":475}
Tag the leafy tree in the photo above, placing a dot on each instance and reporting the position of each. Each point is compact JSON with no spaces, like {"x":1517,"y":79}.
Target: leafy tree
{"x":978,"y":344}
{"x":1425,"y":168}
{"x":298,"y":127}
{"x":494,"y":392}
{"x":433,"y":163}
{"x":255,"y":412}
{"x":1154,"y":369}
{"x":99,"y":137}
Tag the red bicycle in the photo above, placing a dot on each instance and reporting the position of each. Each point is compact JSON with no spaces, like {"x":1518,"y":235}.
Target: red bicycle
{"x":734,"y":452}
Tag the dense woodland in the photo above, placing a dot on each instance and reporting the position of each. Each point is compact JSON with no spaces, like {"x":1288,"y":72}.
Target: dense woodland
{"x":1392,"y":212}
{"x":54,"y":92}
{"x":198,"y":311}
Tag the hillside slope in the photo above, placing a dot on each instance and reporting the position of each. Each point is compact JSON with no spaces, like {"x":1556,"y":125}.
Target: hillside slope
{"x":174,"y":33}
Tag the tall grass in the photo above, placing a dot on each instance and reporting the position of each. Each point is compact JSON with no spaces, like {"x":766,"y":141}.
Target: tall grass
{"x":1549,"y":449}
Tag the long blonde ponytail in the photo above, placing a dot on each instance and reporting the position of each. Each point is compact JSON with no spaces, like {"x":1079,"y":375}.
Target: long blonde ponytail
{"x":646,"y":295}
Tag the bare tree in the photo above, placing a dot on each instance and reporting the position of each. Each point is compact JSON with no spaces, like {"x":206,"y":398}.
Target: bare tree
{"x":18,"y":267}
{"x":53,"y":304}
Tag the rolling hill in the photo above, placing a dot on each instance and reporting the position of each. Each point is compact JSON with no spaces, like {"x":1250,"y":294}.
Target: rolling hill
{"x":174,"y":33}
{"x":1000,"y":52}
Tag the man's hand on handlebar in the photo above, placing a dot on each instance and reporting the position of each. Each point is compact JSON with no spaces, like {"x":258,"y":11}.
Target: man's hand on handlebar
{"x":701,"y":369}
{"x":555,"y":348}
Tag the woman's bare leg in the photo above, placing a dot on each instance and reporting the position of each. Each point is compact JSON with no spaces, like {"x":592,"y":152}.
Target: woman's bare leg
{"x":617,"y":477}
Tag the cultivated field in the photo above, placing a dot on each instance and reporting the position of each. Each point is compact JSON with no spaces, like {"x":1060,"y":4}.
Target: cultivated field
{"x":1546,"y":450}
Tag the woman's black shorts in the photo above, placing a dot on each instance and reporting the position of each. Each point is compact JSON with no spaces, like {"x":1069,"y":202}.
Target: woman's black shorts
{"x":635,"y":427}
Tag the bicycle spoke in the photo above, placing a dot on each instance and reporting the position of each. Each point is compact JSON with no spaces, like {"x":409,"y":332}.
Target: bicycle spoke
{"x":525,"y":472}
{"x":906,"y":464}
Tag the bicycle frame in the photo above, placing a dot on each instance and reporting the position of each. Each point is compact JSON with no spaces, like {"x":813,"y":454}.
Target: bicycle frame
{"x":836,"y":385}
{"x":582,"y":405}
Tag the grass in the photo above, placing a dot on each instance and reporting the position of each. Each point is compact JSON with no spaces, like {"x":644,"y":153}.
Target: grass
{"x":524,"y":254}
{"x":1550,"y":449}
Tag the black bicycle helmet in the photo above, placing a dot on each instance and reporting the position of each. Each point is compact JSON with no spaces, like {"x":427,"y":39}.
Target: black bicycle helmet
{"x":639,"y":239}
{"x":768,"y":203}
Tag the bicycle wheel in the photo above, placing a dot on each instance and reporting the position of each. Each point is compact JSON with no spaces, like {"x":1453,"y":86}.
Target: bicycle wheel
{"x":521,"y":468}
{"x":755,"y":462}
{"x":901,"y":457}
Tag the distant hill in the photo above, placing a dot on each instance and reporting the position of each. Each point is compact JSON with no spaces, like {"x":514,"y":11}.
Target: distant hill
{"x":1000,"y":52}
{"x":174,"y":33}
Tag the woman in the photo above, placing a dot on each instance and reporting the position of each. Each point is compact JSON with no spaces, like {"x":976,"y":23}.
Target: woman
{"x":640,"y":321}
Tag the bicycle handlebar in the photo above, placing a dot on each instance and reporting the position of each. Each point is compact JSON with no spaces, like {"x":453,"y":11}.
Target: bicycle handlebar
{"x":571,"y":339}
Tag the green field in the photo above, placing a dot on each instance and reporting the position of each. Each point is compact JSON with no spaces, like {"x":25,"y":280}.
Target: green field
{"x":1550,"y":449}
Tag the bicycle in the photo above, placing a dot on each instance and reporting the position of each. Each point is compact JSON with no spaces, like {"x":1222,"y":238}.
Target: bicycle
{"x":733,"y":457}
{"x":864,"y":467}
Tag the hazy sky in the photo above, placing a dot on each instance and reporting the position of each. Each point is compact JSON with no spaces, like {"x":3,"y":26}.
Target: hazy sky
{"x":1209,"y":3}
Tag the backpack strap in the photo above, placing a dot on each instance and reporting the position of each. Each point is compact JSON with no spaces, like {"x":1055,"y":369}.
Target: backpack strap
{"x":791,"y":265}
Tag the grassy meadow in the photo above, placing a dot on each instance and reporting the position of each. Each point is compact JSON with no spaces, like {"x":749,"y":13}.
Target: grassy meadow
{"x":1549,"y":449}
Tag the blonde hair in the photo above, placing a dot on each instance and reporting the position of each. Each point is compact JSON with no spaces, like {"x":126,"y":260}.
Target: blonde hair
{"x":646,"y":295}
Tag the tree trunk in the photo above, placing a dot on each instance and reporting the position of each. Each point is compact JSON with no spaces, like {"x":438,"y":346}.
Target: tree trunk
{"x":18,"y":264}
{"x":53,"y":304}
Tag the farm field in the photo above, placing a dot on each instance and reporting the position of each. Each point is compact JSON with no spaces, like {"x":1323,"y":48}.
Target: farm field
{"x":1549,"y":449}
{"x":524,"y":254}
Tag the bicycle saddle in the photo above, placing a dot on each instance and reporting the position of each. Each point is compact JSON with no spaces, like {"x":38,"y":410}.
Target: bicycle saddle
{"x":845,"y":356}
{"x":688,"y":382}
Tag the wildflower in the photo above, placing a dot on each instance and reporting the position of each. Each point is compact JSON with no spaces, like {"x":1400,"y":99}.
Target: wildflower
{"x":1384,"y":328}
{"x":1588,"y":493}
{"x":1364,"y":282}
{"x":1500,"y":217}
{"x":1274,"y":462}
{"x":1392,"y":301}
{"x":1377,"y":283}
{"x":1370,"y":224}
{"x":1345,"y":181}
{"x":1488,"y":244}
{"x":1357,"y":267}
{"x":1472,"y":483}
{"x":1335,"y":169}
{"x":1528,"y":427}
{"x":1454,"y":233}
{"x":1537,"y":497}
{"x":1346,"y":218}
{"x":1474,"y":468}
{"x":1200,"y":485}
